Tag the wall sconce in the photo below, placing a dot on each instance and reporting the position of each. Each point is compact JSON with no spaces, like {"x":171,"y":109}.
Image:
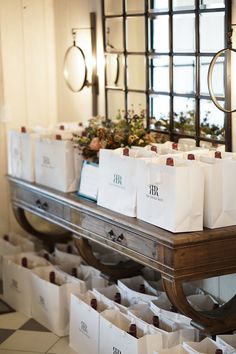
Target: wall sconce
{"x":75,"y":66}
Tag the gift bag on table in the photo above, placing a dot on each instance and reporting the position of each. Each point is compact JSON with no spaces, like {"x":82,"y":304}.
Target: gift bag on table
{"x":170,"y":194}
{"x":206,"y":346}
{"x":20,"y":154}
{"x":220,"y":192}
{"x":117,"y":335}
{"x":16,"y":280}
{"x":137,"y":289}
{"x":51,"y":300}
{"x":85,"y":323}
{"x":13,"y":243}
{"x":58,"y":164}
{"x":178,"y":349}
{"x":117,"y":179}
{"x":227,"y":342}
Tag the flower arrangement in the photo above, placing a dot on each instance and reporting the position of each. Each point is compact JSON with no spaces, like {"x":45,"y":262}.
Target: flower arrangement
{"x":123,"y":131}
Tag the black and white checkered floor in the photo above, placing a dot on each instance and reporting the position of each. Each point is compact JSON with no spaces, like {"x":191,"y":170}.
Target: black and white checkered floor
{"x":22,"y":335}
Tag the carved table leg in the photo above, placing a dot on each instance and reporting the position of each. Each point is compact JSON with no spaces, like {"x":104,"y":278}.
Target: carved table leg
{"x":120,"y":270}
{"x":48,"y":238}
{"x":220,"y":320}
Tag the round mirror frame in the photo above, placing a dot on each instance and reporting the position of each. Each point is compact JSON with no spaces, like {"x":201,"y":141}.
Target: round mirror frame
{"x":65,"y":70}
{"x":209,"y":79}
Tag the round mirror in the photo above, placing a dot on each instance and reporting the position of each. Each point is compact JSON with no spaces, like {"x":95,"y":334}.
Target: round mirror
{"x":75,"y":70}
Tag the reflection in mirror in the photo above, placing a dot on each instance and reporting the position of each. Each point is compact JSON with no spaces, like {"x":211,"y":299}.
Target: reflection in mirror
{"x":159,"y":34}
{"x":136,"y":66}
{"x":217,"y":77}
{"x":158,"y":5}
{"x":184,"y":115}
{"x":214,"y":40}
{"x":184,"y":67}
{"x":159,"y":73}
{"x":75,"y":70}
{"x":115,"y":103}
{"x":135,"y":6}
{"x":115,"y":70}
{"x":113,"y":7}
{"x":207,"y":4}
{"x":136,"y":102}
{"x":211,"y":120}
{"x":179,"y":5}
{"x":160,"y":111}
{"x":184,"y":33}
{"x":136,"y":34}
{"x":114,"y":34}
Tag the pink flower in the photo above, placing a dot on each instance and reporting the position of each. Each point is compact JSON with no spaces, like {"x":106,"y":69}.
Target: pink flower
{"x":95,"y":144}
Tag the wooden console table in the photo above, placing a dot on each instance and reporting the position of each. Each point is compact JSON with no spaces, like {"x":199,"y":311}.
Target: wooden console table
{"x":179,"y":257}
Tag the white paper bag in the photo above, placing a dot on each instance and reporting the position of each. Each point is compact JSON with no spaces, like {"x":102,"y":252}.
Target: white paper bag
{"x":13,"y":243}
{"x":206,"y":346}
{"x":51,"y":302}
{"x":66,"y":261}
{"x":131,"y":289}
{"x":227,"y":342}
{"x":58,"y":164}
{"x":201,"y":302}
{"x":178,"y":349}
{"x":220,"y":192}
{"x":171,"y":197}
{"x":91,"y":276}
{"x":85,"y":323}
{"x":117,"y":180}
{"x":16,"y":281}
{"x":114,"y":338}
{"x":21,"y":149}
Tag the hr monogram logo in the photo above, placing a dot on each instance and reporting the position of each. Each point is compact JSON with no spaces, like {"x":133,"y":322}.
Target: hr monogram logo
{"x":46,"y":160}
{"x":153,"y":190}
{"x":14,"y":284}
{"x":116,"y":350}
{"x":117,"y":179}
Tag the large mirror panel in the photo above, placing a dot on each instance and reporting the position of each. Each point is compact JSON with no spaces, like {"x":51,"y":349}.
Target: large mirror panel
{"x":113,"y":7}
{"x":135,"y":25}
{"x":135,"y":6}
{"x":114,"y":34}
{"x":136,"y":77}
{"x":115,"y":103}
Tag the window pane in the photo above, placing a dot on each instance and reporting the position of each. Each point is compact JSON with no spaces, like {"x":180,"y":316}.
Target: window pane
{"x":116,"y":103}
{"x":115,"y":70}
{"x":179,"y":5}
{"x":184,"y":115}
{"x":136,"y":25}
{"x":184,"y":33}
{"x":184,"y":67}
{"x":160,"y":112}
{"x":217,"y":76}
{"x":113,"y":7}
{"x":158,"y":5}
{"x":136,"y":66}
{"x":211,"y":120}
{"x":137,"y":102}
{"x":159,"y":34}
{"x":114,"y":34}
{"x":207,"y":4}
{"x":159,"y":73}
{"x":134,"y":6}
{"x":212,"y":35}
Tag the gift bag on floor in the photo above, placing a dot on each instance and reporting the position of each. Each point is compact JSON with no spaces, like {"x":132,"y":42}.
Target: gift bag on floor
{"x":170,"y":194}
{"x":85,"y":323}
{"x":227,"y":342}
{"x":51,"y":300}
{"x":178,"y":349}
{"x":16,"y":280}
{"x":206,"y":346}
{"x":220,"y":192}
{"x":66,"y":258}
{"x":57,"y":164}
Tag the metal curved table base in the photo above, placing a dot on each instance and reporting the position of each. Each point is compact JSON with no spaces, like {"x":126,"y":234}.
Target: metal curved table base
{"x":211,"y":322}
{"x":48,"y":238}
{"x":118,"y":271}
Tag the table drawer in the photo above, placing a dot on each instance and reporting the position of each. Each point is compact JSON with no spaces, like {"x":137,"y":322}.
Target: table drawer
{"x":38,"y":202}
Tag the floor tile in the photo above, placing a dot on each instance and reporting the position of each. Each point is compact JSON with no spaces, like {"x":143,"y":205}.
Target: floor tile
{"x":13,"y":320}
{"x":32,"y":325}
{"x":61,"y":347}
{"x":5,"y":333}
{"x":30,"y":341}
{"x":3,"y":351}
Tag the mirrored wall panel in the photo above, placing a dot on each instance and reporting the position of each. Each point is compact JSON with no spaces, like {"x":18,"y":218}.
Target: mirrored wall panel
{"x":113,"y":7}
{"x":135,"y":6}
{"x":136,"y":77}
{"x":114,"y":70}
{"x":134,"y":25}
{"x":158,"y":5}
{"x":114,"y":34}
{"x":115,"y":103}
{"x":159,"y":69}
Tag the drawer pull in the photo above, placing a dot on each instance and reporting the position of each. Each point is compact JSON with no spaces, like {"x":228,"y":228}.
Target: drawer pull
{"x":120,"y":238}
{"x":38,"y":203}
{"x":44,"y":206}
